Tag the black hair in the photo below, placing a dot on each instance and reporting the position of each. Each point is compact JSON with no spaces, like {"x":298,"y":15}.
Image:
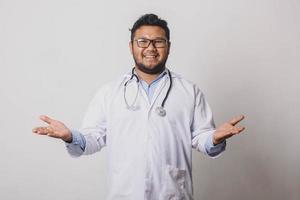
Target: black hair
{"x":150,"y":20}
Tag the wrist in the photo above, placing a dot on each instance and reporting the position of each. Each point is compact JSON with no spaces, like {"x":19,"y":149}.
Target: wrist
{"x":216,"y":141}
{"x":68,"y":137}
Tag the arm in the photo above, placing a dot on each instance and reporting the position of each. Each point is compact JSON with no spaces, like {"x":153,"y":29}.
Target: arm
{"x":205,"y":137}
{"x":91,"y":138}
{"x":203,"y":126}
{"x":74,"y":140}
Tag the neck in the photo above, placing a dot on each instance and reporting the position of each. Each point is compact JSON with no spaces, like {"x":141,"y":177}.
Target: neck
{"x":148,"y":78}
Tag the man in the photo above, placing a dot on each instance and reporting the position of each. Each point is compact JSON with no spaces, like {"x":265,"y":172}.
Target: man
{"x":149,"y":119}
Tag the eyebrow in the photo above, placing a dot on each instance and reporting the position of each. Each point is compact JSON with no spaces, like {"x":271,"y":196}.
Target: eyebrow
{"x":157,"y":38}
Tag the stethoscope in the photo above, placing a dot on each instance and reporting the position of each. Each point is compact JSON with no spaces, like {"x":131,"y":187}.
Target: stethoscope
{"x":160,"y":110}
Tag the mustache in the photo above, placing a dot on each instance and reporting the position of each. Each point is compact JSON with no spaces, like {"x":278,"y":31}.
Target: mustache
{"x":157,"y":69}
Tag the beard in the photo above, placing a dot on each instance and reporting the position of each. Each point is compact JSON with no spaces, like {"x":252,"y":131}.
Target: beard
{"x":157,"y":69}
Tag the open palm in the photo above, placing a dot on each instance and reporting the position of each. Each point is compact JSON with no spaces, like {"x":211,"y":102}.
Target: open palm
{"x":228,"y":130}
{"x":54,"y":129}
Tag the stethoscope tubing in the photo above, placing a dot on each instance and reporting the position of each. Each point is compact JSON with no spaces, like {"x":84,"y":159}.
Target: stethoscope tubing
{"x":160,"y":110}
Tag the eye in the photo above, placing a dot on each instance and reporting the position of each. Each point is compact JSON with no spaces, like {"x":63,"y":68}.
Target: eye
{"x":160,"y":41}
{"x":143,"y":41}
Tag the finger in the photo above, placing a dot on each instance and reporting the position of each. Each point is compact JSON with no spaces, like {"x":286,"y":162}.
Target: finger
{"x":41,"y":130}
{"x":236,"y":120}
{"x":236,"y":130}
{"x":241,"y":129}
{"x":46,"y":119}
{"x":37,"y":129}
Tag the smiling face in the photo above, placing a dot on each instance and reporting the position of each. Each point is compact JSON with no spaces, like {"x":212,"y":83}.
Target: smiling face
{"x":151,"y":59}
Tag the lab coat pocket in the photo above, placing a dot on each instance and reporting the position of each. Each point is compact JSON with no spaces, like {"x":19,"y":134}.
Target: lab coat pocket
{"x":173,"y":184}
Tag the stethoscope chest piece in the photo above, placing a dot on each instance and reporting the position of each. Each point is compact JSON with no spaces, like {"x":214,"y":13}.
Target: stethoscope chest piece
{"x":160,"y":111}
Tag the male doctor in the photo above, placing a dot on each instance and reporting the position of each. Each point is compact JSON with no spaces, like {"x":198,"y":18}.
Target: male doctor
{"x":149,"y":119}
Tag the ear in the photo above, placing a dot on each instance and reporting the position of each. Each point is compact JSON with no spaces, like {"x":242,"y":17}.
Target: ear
{"x":169,"y":46}
{"x":131,"y":47}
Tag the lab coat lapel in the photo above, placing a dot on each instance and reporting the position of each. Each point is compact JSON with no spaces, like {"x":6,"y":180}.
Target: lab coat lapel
{"x":161,"y":85}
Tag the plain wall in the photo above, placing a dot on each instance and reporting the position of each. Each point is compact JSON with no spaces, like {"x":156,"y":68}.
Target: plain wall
{"x":244,"y":55}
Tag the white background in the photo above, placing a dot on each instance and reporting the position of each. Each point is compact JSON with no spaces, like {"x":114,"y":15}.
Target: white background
{"x":244,"y":55}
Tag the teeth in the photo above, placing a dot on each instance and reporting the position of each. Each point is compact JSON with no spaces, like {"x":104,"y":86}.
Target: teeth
{"x":150,"y":56}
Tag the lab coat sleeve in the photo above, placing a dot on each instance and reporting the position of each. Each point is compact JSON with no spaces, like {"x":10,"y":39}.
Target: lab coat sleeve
{"x":203,"y":127}
{"x":93,"y":128}
{"x":95,"y":122}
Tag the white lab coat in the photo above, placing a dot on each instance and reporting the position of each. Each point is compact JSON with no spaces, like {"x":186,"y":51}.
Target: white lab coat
{"x":149,"y":156}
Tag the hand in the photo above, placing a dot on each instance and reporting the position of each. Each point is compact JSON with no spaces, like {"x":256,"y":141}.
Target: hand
{"x":54,"y":129}
{"x":227,"y":130}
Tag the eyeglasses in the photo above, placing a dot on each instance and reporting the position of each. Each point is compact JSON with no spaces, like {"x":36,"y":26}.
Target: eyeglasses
{"x":157,"y":43}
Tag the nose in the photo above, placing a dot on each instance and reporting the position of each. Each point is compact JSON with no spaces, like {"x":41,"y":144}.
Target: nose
{"x":151,"y":46}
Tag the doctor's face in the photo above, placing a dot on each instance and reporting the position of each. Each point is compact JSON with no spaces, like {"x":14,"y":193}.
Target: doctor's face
{"x":150,"y":49}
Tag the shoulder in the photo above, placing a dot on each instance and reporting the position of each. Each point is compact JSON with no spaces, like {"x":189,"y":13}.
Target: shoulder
{"x":112,"y":86}
{"x":184,"y":83}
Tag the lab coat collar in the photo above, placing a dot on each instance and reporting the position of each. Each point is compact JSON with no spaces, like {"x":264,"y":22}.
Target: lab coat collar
{"x":165,"y":72}
{"x":162,"y":83}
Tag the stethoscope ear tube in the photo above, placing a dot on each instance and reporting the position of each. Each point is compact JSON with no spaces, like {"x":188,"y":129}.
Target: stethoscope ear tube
{"x":132,"y":75}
